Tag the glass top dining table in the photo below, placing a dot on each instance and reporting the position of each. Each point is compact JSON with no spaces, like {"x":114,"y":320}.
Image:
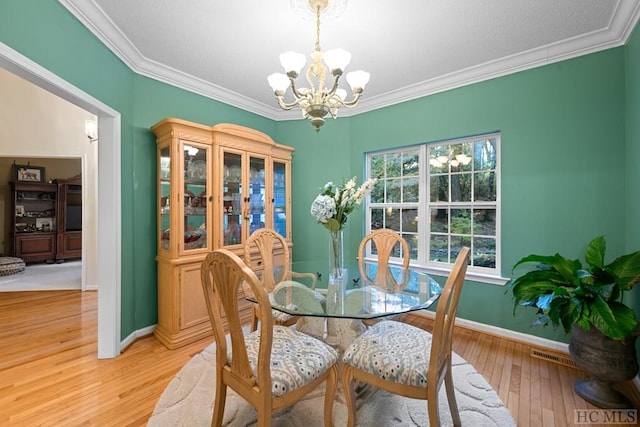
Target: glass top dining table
{"x":355,"y":296}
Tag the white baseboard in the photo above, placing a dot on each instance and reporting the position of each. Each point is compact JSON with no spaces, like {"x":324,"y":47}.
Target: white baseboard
{"x":135,"y":335}
{"x":517,"y":336}
{"x":507,"y":333}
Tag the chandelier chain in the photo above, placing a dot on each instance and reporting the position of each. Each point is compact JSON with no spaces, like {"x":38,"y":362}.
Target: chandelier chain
{"x":318,"y":28}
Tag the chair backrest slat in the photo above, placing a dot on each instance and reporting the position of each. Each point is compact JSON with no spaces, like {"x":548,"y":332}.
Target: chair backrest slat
{"x":266,"y":242}
{"x":445,"y":317}
{"x":385,"y":240}
{"x":222,"y":274}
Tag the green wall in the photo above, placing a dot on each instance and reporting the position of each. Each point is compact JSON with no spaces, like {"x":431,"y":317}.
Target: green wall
{"x":632,"y":51}
{"x":562,"y":155}
{"x":569,"y":151}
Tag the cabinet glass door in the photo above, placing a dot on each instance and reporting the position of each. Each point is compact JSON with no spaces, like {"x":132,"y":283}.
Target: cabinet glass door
{"x":280,"y":198}
{"x":232,"y":219}
{"x":165,"y":192}
{"x":256,"y":196}
{"x":195,"y":195}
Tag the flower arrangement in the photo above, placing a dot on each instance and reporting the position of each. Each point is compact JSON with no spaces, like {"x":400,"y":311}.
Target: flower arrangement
{"x":334,"y":204}
{"x":331,"y":208}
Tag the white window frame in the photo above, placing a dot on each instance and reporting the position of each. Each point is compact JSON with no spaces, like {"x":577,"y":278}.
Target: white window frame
{"x":422,"y":263}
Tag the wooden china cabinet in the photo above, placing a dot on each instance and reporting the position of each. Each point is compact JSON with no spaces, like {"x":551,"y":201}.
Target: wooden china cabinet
{"x":216,"y":185}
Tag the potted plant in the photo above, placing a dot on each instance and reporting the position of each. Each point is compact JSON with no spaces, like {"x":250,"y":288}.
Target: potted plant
{"x":588,"y":302}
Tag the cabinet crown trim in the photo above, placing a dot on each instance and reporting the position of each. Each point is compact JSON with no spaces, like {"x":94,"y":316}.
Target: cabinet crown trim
{"x":242,"y":132}
{"x":181,"y":125}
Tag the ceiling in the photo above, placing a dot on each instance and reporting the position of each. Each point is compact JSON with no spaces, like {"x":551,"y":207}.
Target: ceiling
{"x":225,"y":49}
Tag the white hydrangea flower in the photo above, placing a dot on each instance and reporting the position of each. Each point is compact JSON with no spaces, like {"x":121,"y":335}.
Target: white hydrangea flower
{"x":323,"y":208}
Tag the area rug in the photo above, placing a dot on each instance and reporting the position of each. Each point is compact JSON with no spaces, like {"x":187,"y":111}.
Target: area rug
{"x":188,"y":401}
{"x":45,"y":277}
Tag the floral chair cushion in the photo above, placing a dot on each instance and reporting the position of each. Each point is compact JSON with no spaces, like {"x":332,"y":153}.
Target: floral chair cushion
{"x":394,"y":351}
{"x":296,"y":358}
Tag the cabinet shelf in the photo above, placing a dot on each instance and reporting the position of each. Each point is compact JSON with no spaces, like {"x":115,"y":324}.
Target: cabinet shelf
{"x":191,"y":181}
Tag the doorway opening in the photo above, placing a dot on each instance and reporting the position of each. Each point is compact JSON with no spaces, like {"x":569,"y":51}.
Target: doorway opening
{"x":45,"y":232}
{"x":108,"y":269}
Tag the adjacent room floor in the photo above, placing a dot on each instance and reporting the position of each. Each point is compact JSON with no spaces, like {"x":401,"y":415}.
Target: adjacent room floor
{"x":45,"y":277}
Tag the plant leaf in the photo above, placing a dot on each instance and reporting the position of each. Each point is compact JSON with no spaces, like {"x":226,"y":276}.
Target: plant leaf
{"x":626,"y":269}
{"x":530,"y":290}
{"x":544,"y":302}
{"x":332,"y":224}
{"x":625,"y":317}
{"x":595,"y":252}
{"x":615,"y":320}
{"x":543,"y":259}
{"x":571,"y":310}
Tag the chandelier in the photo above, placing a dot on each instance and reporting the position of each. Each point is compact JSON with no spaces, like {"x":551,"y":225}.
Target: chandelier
{"x":318,"y":100}
{"x":455,"y":161}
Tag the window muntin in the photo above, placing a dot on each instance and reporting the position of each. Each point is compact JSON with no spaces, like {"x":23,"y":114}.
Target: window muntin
{"x":395,"y":197}
{"x":459,"y":200}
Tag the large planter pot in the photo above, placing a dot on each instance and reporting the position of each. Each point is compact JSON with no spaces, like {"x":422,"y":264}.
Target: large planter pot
{"x":606,"y":361}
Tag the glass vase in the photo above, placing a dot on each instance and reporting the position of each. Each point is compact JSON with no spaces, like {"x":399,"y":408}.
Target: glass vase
{"x":337,"y":273}
{"x":336,"y":259}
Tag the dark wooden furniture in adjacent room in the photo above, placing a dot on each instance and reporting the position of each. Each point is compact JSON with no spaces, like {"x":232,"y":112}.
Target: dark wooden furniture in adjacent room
{"x":69,"y":220}
{"x":34,"y":221}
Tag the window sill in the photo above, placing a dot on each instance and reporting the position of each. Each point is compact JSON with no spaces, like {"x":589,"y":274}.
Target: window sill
{"x":473,"y":276}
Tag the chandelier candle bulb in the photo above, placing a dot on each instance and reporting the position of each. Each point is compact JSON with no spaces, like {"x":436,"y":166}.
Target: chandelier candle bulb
{"x":337,"y":59}
{"x":292,"y":62}
{"x":358,"y":80}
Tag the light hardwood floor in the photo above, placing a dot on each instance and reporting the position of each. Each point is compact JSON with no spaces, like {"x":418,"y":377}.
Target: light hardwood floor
{"x":50,"y":375}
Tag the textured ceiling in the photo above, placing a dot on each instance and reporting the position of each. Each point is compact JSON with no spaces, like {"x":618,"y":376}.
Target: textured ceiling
{"x":225,"y":49}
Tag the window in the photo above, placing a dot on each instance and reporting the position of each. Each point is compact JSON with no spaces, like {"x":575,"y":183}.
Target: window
{"x":440,"y":197}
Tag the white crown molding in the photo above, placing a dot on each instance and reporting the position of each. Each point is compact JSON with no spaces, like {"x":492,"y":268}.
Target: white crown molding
{"x":617,"y":34}
{"x":92,"y":17}
{"x":199,"y":86}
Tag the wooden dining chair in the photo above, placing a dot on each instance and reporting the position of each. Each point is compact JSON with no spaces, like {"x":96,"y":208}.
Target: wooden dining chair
{"x":267,"y":253}
{"x":272,"y":367}
{"x":383,"y":242}
{"x":406,"y":360}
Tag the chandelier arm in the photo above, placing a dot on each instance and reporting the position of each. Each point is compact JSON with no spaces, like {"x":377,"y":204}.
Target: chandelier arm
{"x":336,"y":80}
{"x":354,"y":101}
{"x":283,"y":104}
{"x":296,"y":93}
